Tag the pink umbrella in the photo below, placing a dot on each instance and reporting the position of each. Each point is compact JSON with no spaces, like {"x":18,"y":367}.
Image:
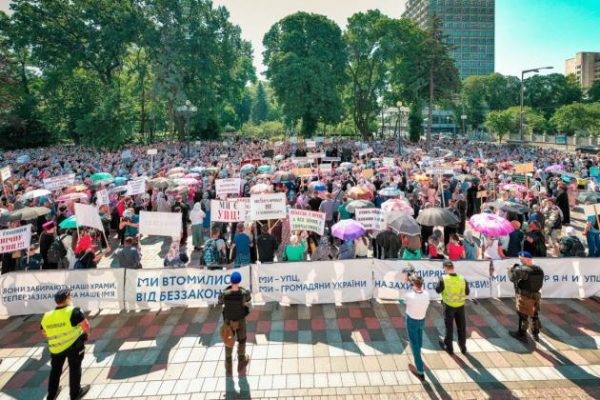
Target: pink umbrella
{"x":556,"y":168}
{"x":491,"y":225}
{"x":513,"y":187}
{"x":194,"y":175}
{"x":396,"y":205}
{"x":261,"y":188}
{"x":73,"y":197}
{"x":185,"y":181}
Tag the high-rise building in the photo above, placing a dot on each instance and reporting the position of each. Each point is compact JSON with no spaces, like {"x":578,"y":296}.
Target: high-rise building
{"x":585,"y":66}
{"x":468,"y":26}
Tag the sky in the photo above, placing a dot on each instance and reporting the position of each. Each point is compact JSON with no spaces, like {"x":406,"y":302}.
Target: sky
{"x":529,"y":33}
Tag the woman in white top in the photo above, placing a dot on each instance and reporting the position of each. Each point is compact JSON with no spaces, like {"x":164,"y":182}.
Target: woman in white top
{"x":417,"y":302}
{"x":493,"y":249}
{"x":197,"y":218}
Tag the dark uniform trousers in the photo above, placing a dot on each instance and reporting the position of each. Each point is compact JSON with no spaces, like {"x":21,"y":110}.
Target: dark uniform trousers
{"x":239,"y":332}
{"x":75,"y":356}
{"x":451,"y":315}
{"x":535,"y":320}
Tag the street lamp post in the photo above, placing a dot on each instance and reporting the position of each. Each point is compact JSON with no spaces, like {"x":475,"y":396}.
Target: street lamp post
{"x":463,"y":118}
{"x":187,"y":110}
{"x":526,"y":71}
{"x":401,"y":111}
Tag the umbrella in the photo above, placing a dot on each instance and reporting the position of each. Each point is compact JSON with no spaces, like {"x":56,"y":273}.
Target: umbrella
{"x":118,"y":189}
{"x":101,"y":176}
{"x":261,"y":188}
{"x":264,"y":169}
{"x":24,"y":159}
{"x":76,"y":188}
{"x":556,"y":168}
{"x":515,"y":208}
{"x":177,"y":170}
{"x":359,"y":192}
{"x":198,"y":169}
{"x":317,"y":186}
{"x":194,"y":175}
{"x":185,"y":181}
{"x":589,"y":197}
{"x":25,"y":214}
{"x":405,"y":224}
{"x":397,"y":205}
{"x":72,"y":197}
{"x":352,"y":205}
{"x":176,"y":175}
{"x":491,"y":225}
{"x":120,"y":180}
{"x":437,"y":217}
{"x":513,"y":187}
{"x":69,"y":223}
{"x":390,"y":192}
{"x":284,"y":176}
{"x":160,"y":183}
{"x":278,"y":157}
{"x":247,"y":168}
{"x":36,"y":193}
{"x":178,"y":189}
{"x":348,"y":229}
{"x":346,"y":165}
{"x":264,"y":176}
{"x":422,"y":178}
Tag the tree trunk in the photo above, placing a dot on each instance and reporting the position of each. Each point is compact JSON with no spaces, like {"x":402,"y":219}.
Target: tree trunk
{"x":430,"y":111}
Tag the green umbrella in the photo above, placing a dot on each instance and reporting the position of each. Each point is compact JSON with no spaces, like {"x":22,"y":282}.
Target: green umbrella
{"x":69,"y":223}
{"x":264,"y":169}
{"x":101,"y":176}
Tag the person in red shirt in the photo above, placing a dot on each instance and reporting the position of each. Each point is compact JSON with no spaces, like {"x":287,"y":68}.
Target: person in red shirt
{"x":456,"y":250}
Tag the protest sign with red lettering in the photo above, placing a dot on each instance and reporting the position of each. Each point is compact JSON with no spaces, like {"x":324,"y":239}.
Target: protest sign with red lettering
{"x":15,"y":239}
{"x":233,"y":210}
{"x":303,"y":220}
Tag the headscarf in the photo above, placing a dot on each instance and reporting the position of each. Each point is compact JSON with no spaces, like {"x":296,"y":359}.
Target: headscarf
{"x":325,"y":250}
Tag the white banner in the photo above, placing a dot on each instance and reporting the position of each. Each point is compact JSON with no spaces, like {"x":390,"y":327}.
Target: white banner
{"x":234,"y":210}
{"x":102,"y":197}
{"x":389,"y":281}
{"x":87,"y":215}
{"x":310,"y":144}
{"x":317,"y":282}
{"x":15,"y":239}
{"x":32,"y":292}
{"x":152,"y":152}
{"x":5,"y":173}
{"x":331,"y":159}
{"x":161,"y":224}
{"x":303,"y":220}
{"x":188,"y":287}
{"x":315,"y":155}
{"x":268,"y":206}
{"x":364,"y":152}
{"x":326,"y":168}
{"x":228,"y":186}
{"x":371,"y":218}
{"x":59,"y":182}
{"x":389,"y":162}
{"x":137,"y":186}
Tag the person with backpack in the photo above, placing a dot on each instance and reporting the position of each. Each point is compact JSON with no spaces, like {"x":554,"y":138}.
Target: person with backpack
{"x":52,"y":248}
{"x":215,"y":250}
{"x":528,"y":279}
{"x":570,"y":245}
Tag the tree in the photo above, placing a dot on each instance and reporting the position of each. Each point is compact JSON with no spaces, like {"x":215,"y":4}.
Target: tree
{"x":576,"y":117}
{"x":501,"y":123}
{"x":260,"y":110}
{"x":546,"y":93}
{"x":593,"y":93}
{"x":306,"y":60}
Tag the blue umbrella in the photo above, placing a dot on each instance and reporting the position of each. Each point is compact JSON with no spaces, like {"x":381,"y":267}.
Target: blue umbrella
{"x":119,"y":180}
{"x":247,"y":168}
{"x":390,"y":192}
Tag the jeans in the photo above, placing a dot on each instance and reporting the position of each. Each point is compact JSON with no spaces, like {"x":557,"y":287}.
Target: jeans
{"x":414,"y":329}
{"x":593,"y":239}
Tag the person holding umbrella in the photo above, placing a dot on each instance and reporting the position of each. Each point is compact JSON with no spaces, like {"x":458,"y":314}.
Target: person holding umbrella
{"x":454,"y":290}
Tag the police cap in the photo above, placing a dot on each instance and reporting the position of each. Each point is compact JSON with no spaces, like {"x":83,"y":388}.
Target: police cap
{"x":61,"y":295}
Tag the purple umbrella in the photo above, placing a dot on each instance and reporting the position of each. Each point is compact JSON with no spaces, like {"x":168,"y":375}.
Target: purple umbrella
{"x":491,"y":225}
{"x":348,"y":229}
{"x":556,"y":168}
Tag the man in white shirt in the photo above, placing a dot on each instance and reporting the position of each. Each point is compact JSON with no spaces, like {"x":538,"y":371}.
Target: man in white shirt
{"x":417,"y":302}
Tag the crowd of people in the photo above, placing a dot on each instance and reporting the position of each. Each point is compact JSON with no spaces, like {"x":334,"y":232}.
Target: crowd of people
{"x":433,"y":201}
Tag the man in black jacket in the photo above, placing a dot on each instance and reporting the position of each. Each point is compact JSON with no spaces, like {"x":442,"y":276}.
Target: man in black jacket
{"x":528,"y":279}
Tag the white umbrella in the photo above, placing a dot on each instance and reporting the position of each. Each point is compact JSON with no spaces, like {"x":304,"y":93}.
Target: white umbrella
{"x":36,"y":193}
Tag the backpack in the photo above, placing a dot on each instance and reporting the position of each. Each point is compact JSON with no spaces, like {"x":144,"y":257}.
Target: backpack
{"x":212,"y":255}
{"x":57,"y":251}
{"x":572,"y":247}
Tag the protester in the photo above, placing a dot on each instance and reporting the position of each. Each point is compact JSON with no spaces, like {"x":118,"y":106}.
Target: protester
{"x":417,"y":302}
{"x":241,"y":247}
{"x":197,"y":221}
{"x":129,"y":256}
{"x":266,"y":245}
{"x":570,"y":245}
{"x":295,"y":250}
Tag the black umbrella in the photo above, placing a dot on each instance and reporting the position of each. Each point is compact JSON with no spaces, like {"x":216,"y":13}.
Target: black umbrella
{"x":515,"y":208}
{"x":437,"y":217}
{"x":589,"y":197}
{"x":25,"y":214}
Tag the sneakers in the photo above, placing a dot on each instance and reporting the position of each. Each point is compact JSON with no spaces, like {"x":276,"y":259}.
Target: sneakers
{"x":519,"y":336}
{"x":83,"y":391}
{"x":413,"y":370}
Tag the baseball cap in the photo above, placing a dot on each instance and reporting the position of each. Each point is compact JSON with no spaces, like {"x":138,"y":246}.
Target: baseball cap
{"x":448,"y":264}
{"x":61,"y":295}
{"x":525,"y":254}
{"x":236,"y":277}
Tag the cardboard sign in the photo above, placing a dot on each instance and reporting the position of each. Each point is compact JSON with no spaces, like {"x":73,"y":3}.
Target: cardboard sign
{"x":310,"y":144}
{"x":152,"y":152}
{"x":365,"y":152}
{"x":228,"y":186}
{"x":137,"y":186}
{"x":234,"y":210}
{"x":87,"y":215}
{"x":406,"y":165}
{"x":268,"y":206}
{"x":482,"y":193}
{"x":371,"y":218}
{"x":15,"y":239}
{"x":102,"y":197}
{"x":315,"y":155}
{"x":519,"y":178}
{"x":331,"y":159}
{"x":524,"y":168}
{"x":5,"y":173}
{"x":368,"y":173}
{"x":160,"y":224}
{"x":303,"y":220}
{"x":59,"y":182}
{"x":303,"y":172}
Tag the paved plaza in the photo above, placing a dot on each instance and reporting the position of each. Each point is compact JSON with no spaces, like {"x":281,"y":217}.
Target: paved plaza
{"x":358,"y":350}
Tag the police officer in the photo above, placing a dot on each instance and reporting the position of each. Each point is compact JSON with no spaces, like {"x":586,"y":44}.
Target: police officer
{"x":66,"y":329}
{"x":528,"y":279}
{"x":454,"y":289}
{"x":235,"y":300}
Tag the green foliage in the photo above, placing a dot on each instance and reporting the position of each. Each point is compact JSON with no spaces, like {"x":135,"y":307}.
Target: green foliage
{"x":593,"y":93}
{"x":260,"y":110}
{"x":306,"y":61}
{"x":415,"y":122}
{"x":546,"y":93}
{"x":577,"y":117}
{"x":264,"y":130}
{"x":501,"y":123}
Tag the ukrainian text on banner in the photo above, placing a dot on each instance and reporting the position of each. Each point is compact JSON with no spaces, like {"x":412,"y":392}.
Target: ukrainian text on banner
{"x":317,"y":282}
{"x":565,"y":278}
{"x":234,"y":210}
{"x":160,"y":223}
{"x":32,"y":292}
{"x":268,"y":206}
{"x":371,"y":218}
{"x":303,"y":220}
{"x":389,"y":284}
{"x":187,"y":287}
{"x":228,"y":186}
{"x":137,"y":186}
{"x":59,"y":182}
{"x":15,"y":239}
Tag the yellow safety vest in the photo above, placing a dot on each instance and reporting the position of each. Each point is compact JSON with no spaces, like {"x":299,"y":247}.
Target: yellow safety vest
{"x":454,"y":293}
{"x":59,"y":332}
